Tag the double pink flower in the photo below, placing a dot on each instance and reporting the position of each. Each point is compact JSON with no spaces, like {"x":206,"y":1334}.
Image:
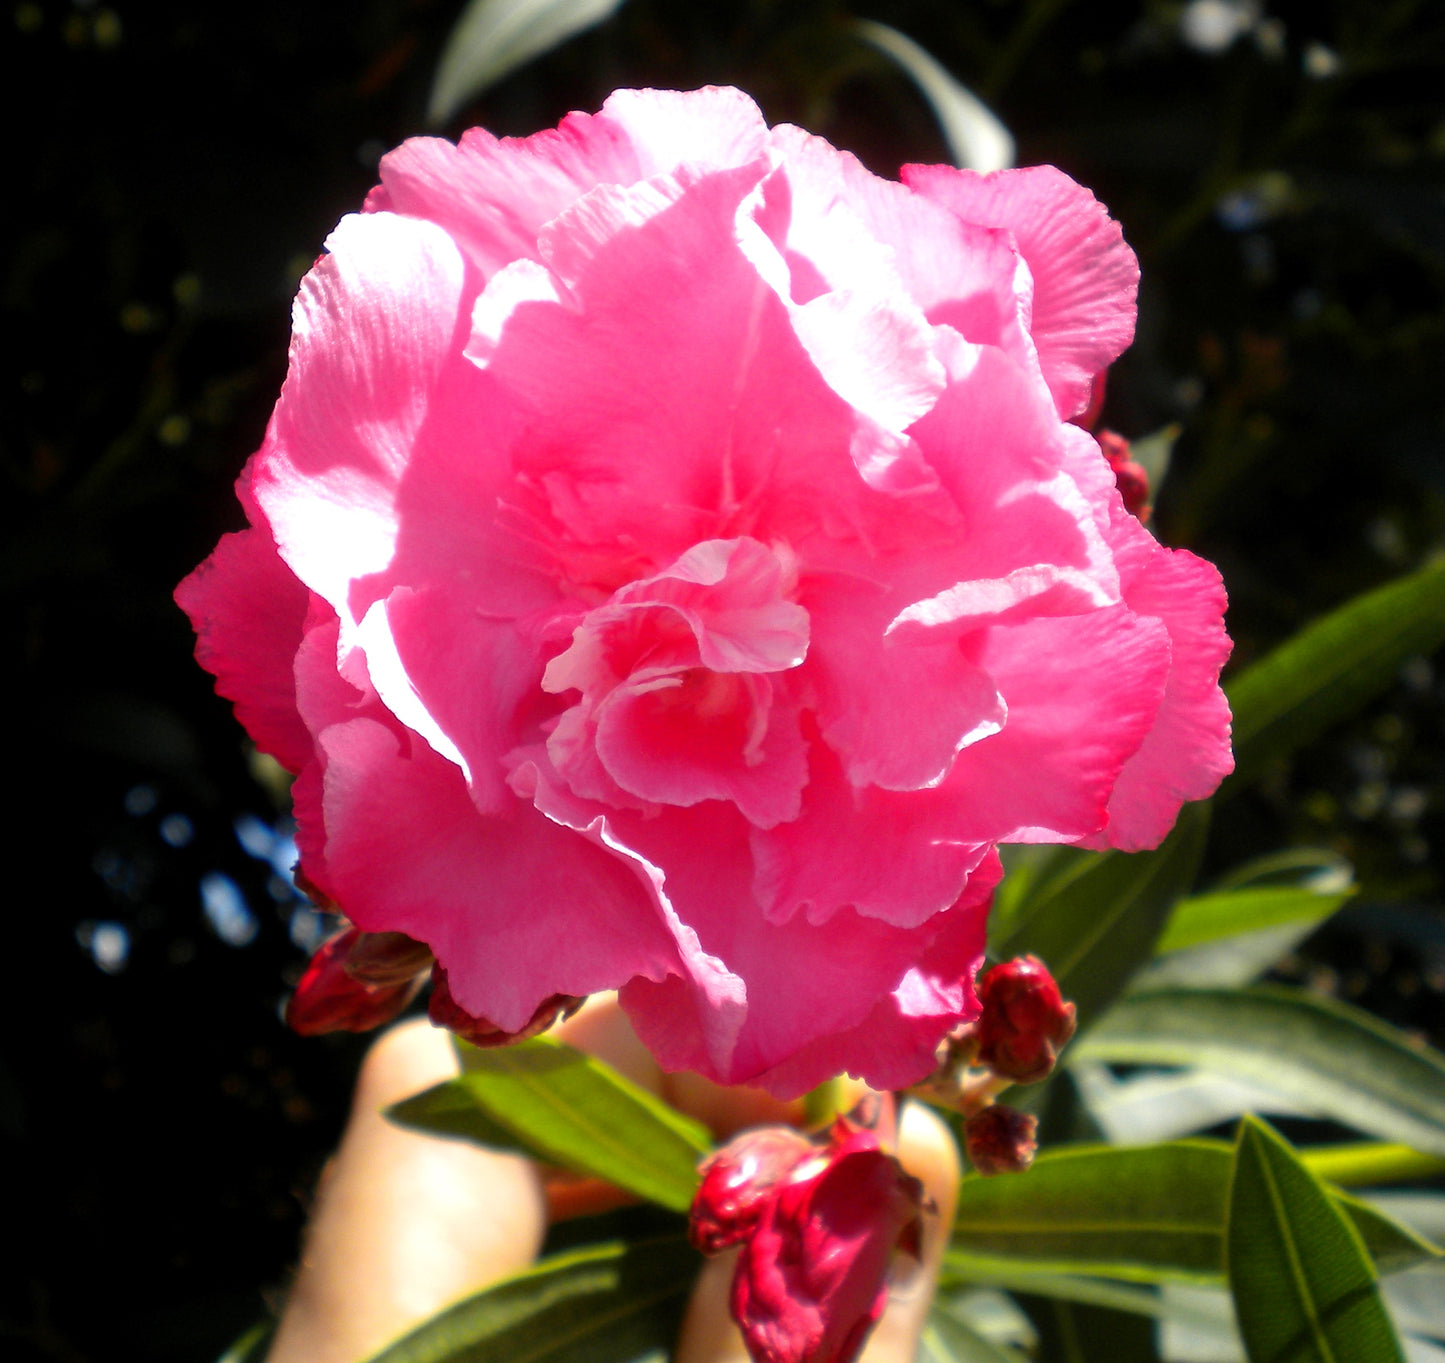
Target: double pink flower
{"x":671,"y":567}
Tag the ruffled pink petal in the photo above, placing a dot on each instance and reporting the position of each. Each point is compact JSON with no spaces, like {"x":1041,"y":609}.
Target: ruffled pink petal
{"x":515,"y":908}
{"x":733,"y":438}
{"x":1082,"y":691}
{"x":377,"y":466}
{"x":891,"y":856}
{"x":896,"y":1043}
{"x":249,"y":613}
{"x":1085,"y":276}
{"x":464,"y":674}
{"x":960,"y":272}
{"x":853,"y":961}
{"x":1008,"y":464}
{"x":494,"y":195}
{"x":895,"y":709}
{"x":680,"y":740}
{"x":1186,"y":754}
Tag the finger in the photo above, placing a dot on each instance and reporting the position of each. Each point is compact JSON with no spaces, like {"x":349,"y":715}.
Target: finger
{"x":406,"y":1223}
{"x":927,"y":1150}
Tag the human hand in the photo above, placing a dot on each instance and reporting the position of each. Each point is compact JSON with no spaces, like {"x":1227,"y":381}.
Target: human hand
{"x":407,"y":1223}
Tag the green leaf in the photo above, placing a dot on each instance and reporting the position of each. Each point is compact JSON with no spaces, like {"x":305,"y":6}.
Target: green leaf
{"x":1303,"y":1287}
{"x":1392,"y":1245}
{"x":494,"y":37}
{"x":947,"y":1339}
{"x":976,"y":139}
{"x":1209,"y":917}
{"x":1142,"y":1214}
{"x":569,"y":1109}
{"x":1334,"y":1060}
{"x":1097,"y":918}
{"x":611,"y":1303}
{"x":1358,"y":1164}
{"x":253,"y":1346}
{"x":1153,"y":1213}
{"x":1330,"y":668}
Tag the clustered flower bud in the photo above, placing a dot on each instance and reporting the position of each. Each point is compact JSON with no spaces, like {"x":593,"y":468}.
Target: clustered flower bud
{"x":445,"y":1011}
{"x":1130,"y":477}
{"x":356,"y":981}
{"x":1025,"y":1022}
{"x":819,"y":1223}
{"x":1001,"y":1140}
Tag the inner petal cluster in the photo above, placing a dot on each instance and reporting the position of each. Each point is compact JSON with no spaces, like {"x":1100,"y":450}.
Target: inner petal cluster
{"x":684,"y":695}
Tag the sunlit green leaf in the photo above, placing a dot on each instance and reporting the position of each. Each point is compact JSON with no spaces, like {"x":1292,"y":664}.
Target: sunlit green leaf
{"x":1153,"y":1213}
{"x":947,"y":1339}
{"x":1303,"y":1286}
{"x":1359,"y":1164}
{"x":494,"y":37}
{"x":1097,"y":916}
{"x":1332,"y":1059}
{"x":253,"y":1346}
{"x":611,"y":1303}
{"x":569,"y":1109}
{"x":1209,"y":917}
{"x":975,"y":137}
{"x":1329,"y":669}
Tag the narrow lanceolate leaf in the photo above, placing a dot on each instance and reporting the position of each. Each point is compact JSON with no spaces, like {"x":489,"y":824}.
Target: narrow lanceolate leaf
{"x":1143,"y":1214}
{"x":1209,"y":917}
{"x":976,"y":139}
{"x":1362,"y":1164}
{"x":610,"y":1303}
{"x":947,"y":1339}
{"x":1150,"y":1214}
{"x":494,"y":37}
{"x":569,"y":1109}
{"x":1329,"y":669}
{"x":1303,"y":1287}
{"x":1332,"y":1059}
{"x":1097,"y":918}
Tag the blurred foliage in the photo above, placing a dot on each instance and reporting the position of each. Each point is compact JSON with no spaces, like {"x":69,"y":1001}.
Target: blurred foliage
{"x":174,"y":168}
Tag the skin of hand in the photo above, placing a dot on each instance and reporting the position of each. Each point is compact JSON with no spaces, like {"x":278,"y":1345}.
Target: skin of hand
{"x":406,"y":1223}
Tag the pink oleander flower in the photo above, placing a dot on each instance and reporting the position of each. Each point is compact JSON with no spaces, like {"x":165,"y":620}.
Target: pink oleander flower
{"x":819,"y":1224}
{"x":671,"y":567}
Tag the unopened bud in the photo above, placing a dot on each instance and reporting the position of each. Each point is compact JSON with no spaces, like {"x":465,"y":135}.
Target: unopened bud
{"x":737,"y":1183}
{"x":1025,"y":1021}
{"x":1131,"y":478}
{"x":330,"y":997}
{"x":445,"y":1011}
{"x":1001,"y":1140}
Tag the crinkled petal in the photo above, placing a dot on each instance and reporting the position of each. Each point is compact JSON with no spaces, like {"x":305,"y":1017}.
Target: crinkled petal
{"x":894,"y":1045}
{"x":735,"y":429}
{"x":249,"y":613}
{"x":888,"y":855}
{"x":896,"y":709}
{"x":1085,"y":276}
{"x":1186,"y":753}
{"x":1081,"y":691}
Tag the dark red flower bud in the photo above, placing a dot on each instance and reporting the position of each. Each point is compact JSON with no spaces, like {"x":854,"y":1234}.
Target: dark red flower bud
{"x":812,"y":1279}
{"x":331,"y":997}
{"x":387,"y":958}
{"x":445,"y":1011}
{"x":1130,"y":478}
{"x":1001,"y":1140}
{"x":1024,"y":1023}
{"x":738,"y":1181}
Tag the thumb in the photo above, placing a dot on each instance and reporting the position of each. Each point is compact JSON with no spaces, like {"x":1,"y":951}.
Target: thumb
{"x":926,"y":1149}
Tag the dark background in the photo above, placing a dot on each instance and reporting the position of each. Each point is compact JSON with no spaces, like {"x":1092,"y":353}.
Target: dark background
{"x":172,"y":169}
